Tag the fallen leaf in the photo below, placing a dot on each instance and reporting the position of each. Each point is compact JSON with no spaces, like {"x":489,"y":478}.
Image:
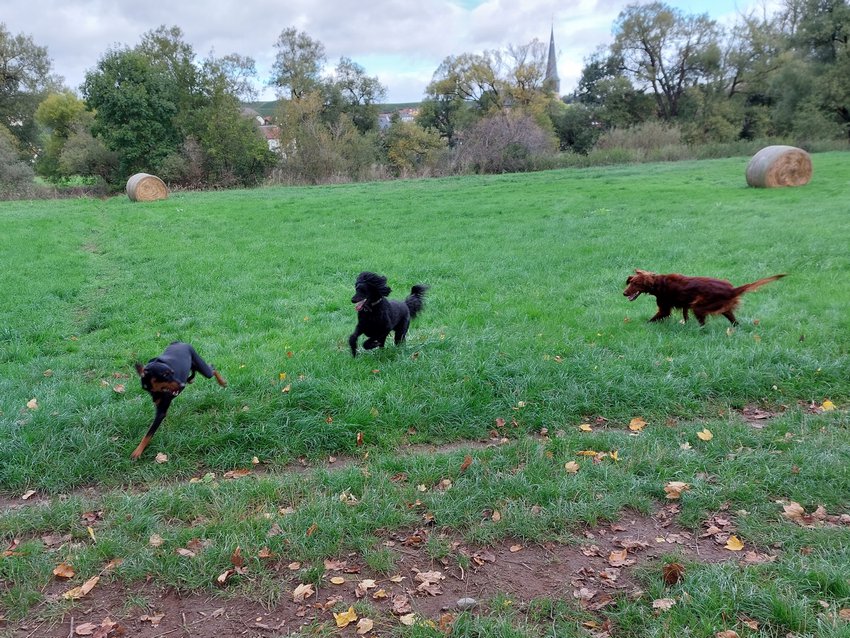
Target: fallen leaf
{"x":496,"y":516}
{"x":236,"y":557}
{"x":571,"y":467}
{"x":827,"y":405}
{"x":236,"y":474}
{"x":186,"y":553}
{"x":28,"y":495}
{"x":32,"y":404}
{"x":359,"y":439}
{"x":119,"y":388}
{"x":345,"y":618}
{"x":663,"y":603}
{"x":515,"y":548}
{"x":153,"y":620}
{"x":734,"y":544}
{"x":338,"y":580}
{"x":364,"y":626}
{"x":82,"y":590}
{"x":844,"y":614}
{"x":222,"y":578}
{"x":302,"y":592}
{"x":63,"y":570}
{"x":161,"y":458}
{"x":674,"y":489}
{"x":407,"y":620}
{"x":619,"y":558}
{"x":401,"y":605}
{"x":672,"y":573}
{"x":728,"y":633}
{"x":705,"y":435}
{"x":85,"y":629}
{"x":637,"y":424}
{"x":585,"y":427}
{"x":467,"y":461}
{"x":685,"y":445}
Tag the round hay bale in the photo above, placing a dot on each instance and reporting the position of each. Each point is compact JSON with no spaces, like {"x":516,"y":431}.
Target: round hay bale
{"x":142,"y":187}
{"x":775,"y":166}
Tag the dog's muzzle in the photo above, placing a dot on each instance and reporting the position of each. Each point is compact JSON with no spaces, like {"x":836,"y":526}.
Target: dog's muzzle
{"x":633,"y":296}
{"x":358,"y":306}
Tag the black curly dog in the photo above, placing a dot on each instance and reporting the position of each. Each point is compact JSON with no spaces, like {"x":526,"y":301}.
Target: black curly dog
{"x":377,"y":315}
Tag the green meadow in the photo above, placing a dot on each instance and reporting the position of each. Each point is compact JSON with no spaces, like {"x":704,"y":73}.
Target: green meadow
{"x":524,"y":322}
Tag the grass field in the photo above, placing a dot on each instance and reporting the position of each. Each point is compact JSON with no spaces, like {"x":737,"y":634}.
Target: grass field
{"x":525,"y":322}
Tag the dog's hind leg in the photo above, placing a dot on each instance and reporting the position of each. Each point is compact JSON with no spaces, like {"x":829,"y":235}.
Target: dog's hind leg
{"x":373,"y":342}
{"x":684,"y":314}
{"x":401,"y":332}
{"x":731,"y":317}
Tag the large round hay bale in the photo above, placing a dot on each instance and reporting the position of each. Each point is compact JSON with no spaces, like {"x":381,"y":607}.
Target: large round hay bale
{"x":775,"y":166}
{"x":142,"y":187}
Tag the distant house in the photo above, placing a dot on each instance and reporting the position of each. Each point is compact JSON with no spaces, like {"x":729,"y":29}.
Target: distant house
{"x":405,"y":115}
{"x":269,"y":131}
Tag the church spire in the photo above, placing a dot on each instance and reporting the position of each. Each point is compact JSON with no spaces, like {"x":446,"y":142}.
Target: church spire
{"x":552,"y":81}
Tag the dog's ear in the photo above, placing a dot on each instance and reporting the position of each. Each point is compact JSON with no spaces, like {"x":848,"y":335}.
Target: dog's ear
{"x":140,"y":369}
{"x":643,"y":272}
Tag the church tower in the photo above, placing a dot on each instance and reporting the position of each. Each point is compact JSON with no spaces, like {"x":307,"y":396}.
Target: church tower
{"x":552,"y":81}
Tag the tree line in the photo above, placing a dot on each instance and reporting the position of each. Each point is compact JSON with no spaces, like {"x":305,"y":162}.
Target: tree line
{"x":157,"y":107}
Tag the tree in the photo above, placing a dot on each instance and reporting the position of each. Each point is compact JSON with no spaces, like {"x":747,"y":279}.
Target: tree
{"x":666,"y":51}
{"x":135,"y":106}
{"x":59,"y":115}
{"x":503,"y":143}
{"x":411,"y":149}
{"x":16,"y":176}
{"x":359,"y":94}
{"x":25,"y":80}
{"x":298,"y":63}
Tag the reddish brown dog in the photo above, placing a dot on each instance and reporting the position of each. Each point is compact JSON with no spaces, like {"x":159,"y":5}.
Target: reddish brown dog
{"x":704,"y":295}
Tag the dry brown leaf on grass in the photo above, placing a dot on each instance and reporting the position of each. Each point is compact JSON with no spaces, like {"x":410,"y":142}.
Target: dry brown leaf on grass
{"x":672,"y":573}
{"x":337,"y":580}
{"x":161,"y":458}
{"x":844,"y":614}
{"x":571,"y":467}
{"x":104,"y":629}
{"x":28,"y":495}
{"x":663,"y":604}
{"x":705,"y":435}
{"x":674,"y":489}
{"x":364,"y":586}
{"x":467,"y":461}
{"x":63,"y":570}
{"x":32,"y":404}
{"x":727,"y":633}
{"x":585,"y":427}
{"x":153,"y":620}
{"x":408,"y":620}
{"x":236,"y":474}
{"x":637,"y":424}
{"x":78,"y":592}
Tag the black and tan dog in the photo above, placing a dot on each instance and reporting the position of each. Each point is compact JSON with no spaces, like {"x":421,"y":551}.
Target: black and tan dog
{"x":165,"y":376}
{"x":377,"y":316}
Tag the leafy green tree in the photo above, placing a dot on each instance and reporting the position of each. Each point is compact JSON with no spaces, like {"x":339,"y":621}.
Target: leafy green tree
{"x":410,"y":149}
{"x":135,"y":106}
{"x":25,"y":80}
{"x":298,"y":63}
{"x":58,"y":116}
{"x":356,"y":94}
{"x":666,"y":51}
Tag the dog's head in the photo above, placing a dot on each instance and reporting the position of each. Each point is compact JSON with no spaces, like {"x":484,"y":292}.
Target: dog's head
{"x":368,"y":289}
{"x":641,"y":281}
{"x":158,"y":378}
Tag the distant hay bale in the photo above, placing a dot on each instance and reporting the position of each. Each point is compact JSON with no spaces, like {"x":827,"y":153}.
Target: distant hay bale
{"x":142,"y":187}
{"x":775,"y":166}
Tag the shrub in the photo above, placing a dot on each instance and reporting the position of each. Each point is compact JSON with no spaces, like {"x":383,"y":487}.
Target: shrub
{"x":503,"y":143}
{"x":16,"y":176}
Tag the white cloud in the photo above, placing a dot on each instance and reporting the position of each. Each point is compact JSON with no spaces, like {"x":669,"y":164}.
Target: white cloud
{"x":399,"y":41}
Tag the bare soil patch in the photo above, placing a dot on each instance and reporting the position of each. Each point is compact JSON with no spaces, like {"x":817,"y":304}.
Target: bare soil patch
{"x":592,"y":572}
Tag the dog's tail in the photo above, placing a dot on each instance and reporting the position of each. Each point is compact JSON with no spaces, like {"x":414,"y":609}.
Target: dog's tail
{"x":740,"y":290}
{"x":415,"y":300}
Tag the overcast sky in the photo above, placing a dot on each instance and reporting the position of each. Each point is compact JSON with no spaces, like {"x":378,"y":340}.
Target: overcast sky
{"x":402,"y":42}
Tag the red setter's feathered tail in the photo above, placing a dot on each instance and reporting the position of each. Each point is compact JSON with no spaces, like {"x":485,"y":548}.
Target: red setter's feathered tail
{"x":740,"y":290}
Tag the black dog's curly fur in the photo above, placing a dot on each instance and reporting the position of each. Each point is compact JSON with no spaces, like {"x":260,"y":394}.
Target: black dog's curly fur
{"x":377,"y":315}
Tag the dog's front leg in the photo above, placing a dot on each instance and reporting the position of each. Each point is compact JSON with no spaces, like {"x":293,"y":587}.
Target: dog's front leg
{"x":352,"y":341}
{"x":161,"y":410}
{"x":663,"y":313}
